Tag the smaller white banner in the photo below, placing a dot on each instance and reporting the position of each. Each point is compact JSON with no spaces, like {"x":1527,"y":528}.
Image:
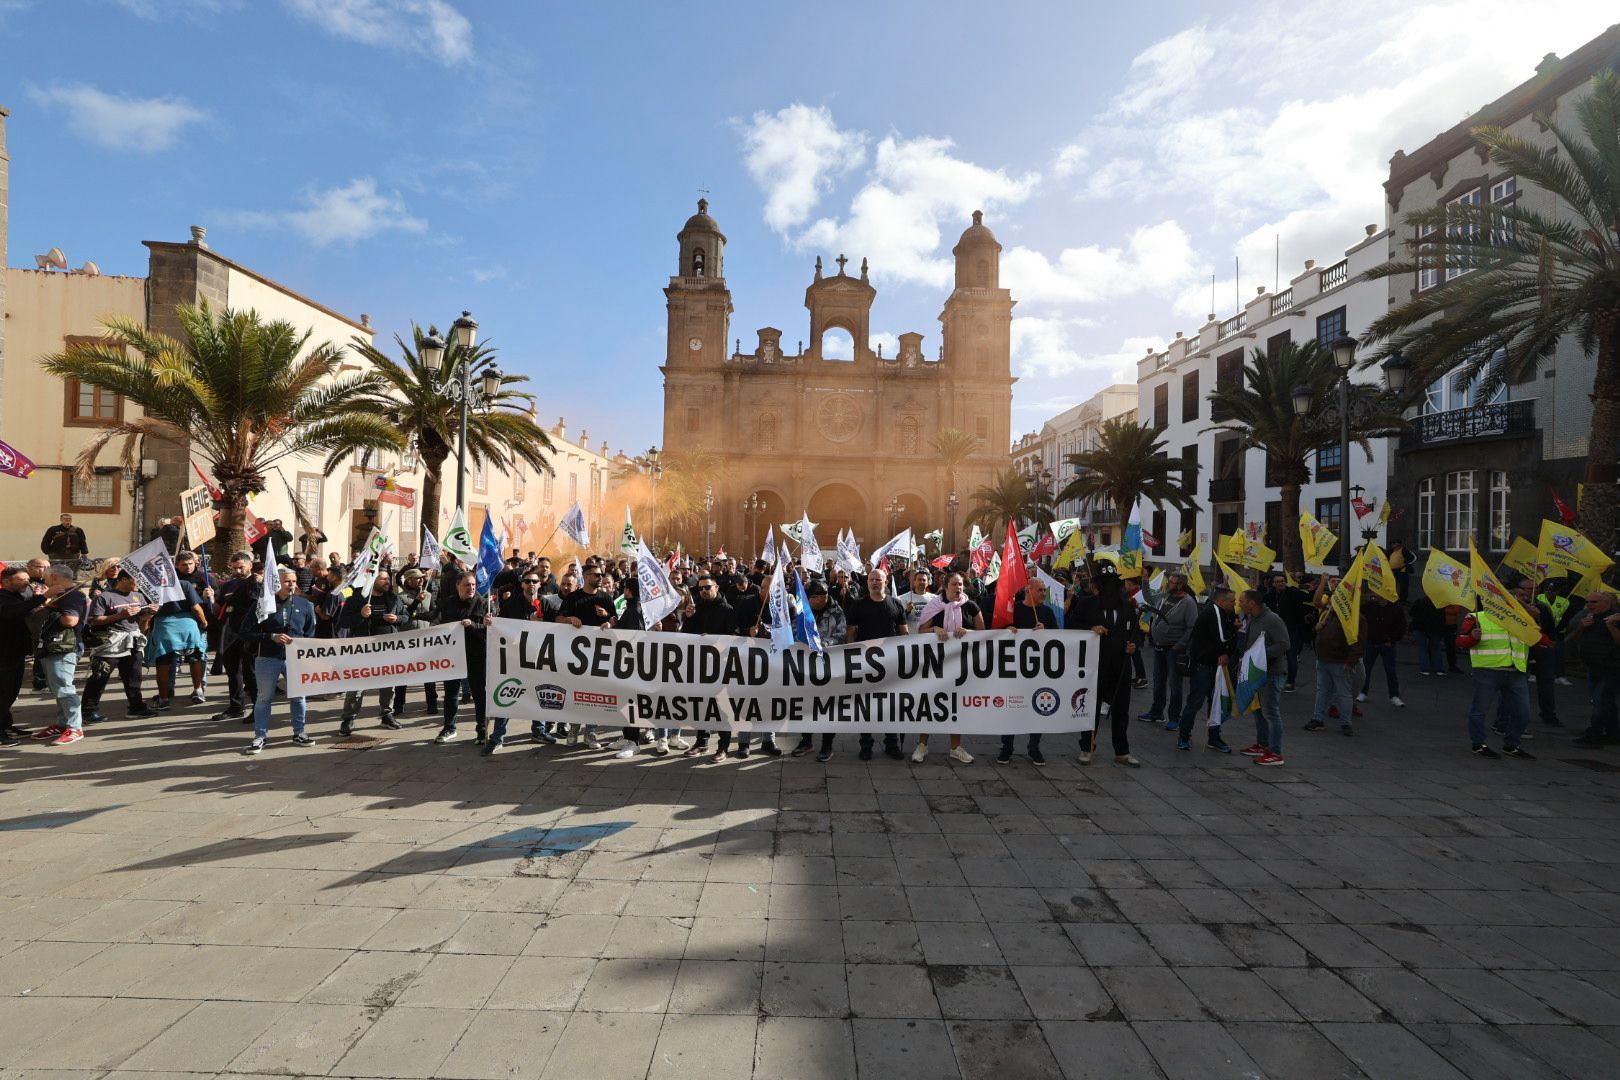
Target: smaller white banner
{"x":326,"y":665}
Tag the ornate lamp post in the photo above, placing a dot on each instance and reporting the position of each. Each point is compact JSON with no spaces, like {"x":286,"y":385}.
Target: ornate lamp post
{"x":463,"y":333}
{"x":654,"y":472}
{"x":1344,"y":355}
{"x":894,"y":509}
{"x":708,"y":517}
{"x":752,"y":507}
{"x":952,"y":504}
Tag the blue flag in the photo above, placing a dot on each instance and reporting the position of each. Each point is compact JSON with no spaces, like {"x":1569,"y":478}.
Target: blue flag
{"x":489,"y":557}
{"x":804,"y":620}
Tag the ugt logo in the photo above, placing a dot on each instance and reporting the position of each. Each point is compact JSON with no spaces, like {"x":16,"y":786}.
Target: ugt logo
{"x":508,"y":693}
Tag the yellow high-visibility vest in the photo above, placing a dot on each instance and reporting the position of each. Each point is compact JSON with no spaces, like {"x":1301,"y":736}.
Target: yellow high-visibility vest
{"x":1497,"y":649}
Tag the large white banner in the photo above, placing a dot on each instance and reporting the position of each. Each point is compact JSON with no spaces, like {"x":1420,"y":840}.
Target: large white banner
{"x":998,"y":682}
{"x":327,"y":665}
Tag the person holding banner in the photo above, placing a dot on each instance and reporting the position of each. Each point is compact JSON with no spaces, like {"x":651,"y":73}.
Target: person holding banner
{"x":831,"y":625}
{"x":383,"y":612}
{"x":878,"y":615}
{"x":1113,"y":618}
{"x":177,"y":635}
{"x":467,"y":607}
{"x":952,"y":615}
{"x":234,"y":612}
{"x":113,"y":636}
{"x":267,"y":639}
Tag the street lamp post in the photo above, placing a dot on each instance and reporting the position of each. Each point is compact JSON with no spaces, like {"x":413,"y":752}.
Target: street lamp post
{"x":463,"y":334}
{"x":654,"y":471}
{"x":894,"y":508}
{"x":752,"y":507}
{"x":1344,"y":354}
{"x":708,"y":518}
{"x":952,"y":503}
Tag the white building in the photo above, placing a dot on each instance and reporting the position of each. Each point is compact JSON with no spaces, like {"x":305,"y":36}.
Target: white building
{"x":1043,"y":456}
{"x":1173,"y":386}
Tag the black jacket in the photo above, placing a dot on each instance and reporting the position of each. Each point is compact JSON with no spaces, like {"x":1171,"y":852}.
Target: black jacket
{"x":15,"y":640}
{"x":711,"y":617}
{"x":382,"y":604}
{"x":1214,"y":636}
{"x":453,"y":608}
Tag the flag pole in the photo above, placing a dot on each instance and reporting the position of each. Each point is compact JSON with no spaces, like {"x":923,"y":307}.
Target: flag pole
{"x":549,"y":538}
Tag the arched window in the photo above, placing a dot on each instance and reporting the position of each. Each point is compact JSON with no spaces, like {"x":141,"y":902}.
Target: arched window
{"x":909,"y":435}
{"x":765,"y":432}
{"x":837,"y":344}
{"x":697,"y":262}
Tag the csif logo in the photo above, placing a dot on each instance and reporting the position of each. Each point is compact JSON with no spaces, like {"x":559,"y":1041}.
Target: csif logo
{"x":507,"y":693}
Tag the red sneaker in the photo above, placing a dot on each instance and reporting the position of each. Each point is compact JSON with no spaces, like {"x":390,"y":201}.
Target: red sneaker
{"x":1269,"y":758}
{"x":68,"y":735}
{"x":1333,"y":711}
{"x":50,"y":733}
{"x":1253,"y":751}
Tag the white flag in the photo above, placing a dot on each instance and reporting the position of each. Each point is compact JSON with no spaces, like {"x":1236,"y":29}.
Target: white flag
{"x":267,"y":592}
{"x":1062,"y":529}
{"x":976,"y":539}
{"x":429,"y":559}
{"x":900,"y":546}
{"x":768,"y":555}
{"x":1054,"y":588}
{"x":154,"y":570}
{"x":573,"y":527}
{"x":809,"y":550}
{"x":457,"y":539}
{"x":364,"y":570}
{"x":1028,"y":535}
{"x":658,"y":597}
{"x":781,"y":614}
{"x":993,"y":571}
{"x":793,"y":528}
{"x":628,"y":542}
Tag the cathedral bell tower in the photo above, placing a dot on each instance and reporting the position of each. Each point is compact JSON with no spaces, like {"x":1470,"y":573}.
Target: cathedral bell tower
{"x":977,"y":322}
{"x":699,"y":303}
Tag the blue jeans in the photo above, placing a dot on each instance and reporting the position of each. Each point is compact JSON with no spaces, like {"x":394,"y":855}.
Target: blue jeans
{"x":1514,"y":690}
{"x":1198,"y":697}
{"x":59,"y":679}
{"x":1431,"y":652}
{"x":1032,"y":743}
{"x":1604,"y":684}
{"x":1165,"y":675}
{"x":1268,"y":721}
{"x":267,"y":669}
{"x":1332,"y":688}
{"x":1386,"y":653}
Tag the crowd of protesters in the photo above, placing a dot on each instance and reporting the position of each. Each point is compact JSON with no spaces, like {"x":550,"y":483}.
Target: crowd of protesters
{"x":217,"y":630}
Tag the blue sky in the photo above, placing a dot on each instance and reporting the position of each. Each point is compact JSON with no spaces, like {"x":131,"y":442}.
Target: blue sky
{"x":532,"y":161}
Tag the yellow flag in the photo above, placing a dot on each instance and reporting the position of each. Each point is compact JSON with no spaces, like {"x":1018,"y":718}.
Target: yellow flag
{"x":1235,"y":545}
{"x":1234,"y":580}
{"x":1498,"y":603}
{"x":1184,"y":541}
{"x":1591,"y":583}
{"x":1564,"y":548}
{"x":1257,"y":556}
{"x":1194,"y":572}
{"x":1580,"y":493}
{"x":1447,"y":581}
{"x":1524,"y":557}
{"x":1346,"y":600}
{"x":1383,"y":513}
{"x":1316,"y":539}
{"x":1375,"y":570}
{"x":1073,"y":549}
{"x":1130,"y":563}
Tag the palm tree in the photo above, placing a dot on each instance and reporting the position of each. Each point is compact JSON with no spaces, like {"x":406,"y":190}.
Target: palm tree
{"x":238,"y":392}
{"x":1261,"y":410}
{"x":1129,"y":464}
{"x":1531,"y":278}
{"x":411,"y":397}
{"x":675,"y":503}
{"x":954,"y":446}
{"x":1010,"y":498}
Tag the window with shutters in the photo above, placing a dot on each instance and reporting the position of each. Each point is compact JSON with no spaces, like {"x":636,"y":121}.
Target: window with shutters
{"x":1501,"y":526}
{"x":309,"y":496}
{"x":1426,"y":498}
{"x":1189,"y":396}
{"x":1161,"y":405}
{"x":1461,"y":487}
{"x":1276,"y":343}
{"x":1228,"y":376}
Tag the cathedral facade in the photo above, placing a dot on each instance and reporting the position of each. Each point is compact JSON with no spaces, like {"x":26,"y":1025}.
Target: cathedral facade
{"x":849,"y":441}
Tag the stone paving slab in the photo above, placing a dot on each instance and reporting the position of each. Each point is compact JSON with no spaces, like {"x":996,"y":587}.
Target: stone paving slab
{"x":1383,"y":906}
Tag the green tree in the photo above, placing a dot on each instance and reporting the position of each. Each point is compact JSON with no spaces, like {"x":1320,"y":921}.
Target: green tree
{"x":412,"y":396}
{"x":239,"y":393}
{"x":1129,"y":464}
{"x":1530,"y":278}
{"x":954,"y":446}
{"x":1261,"y":411}
{"x":1009,"y":498}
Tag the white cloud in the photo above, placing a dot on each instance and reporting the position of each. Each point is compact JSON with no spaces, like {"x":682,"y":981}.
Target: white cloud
{"x":340,"y":215}
{"x":1167,"y":70}
{"x":889,"y":343}
{"x":431,"y":28}
{"x":1154,"y":258}
{"x":794,"y":155}
{"x":118,"y":121}
{"x":155,"y":10}
{"x":1043,"y":348}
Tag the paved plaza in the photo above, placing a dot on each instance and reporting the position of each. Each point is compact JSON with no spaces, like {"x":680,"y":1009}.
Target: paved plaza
{"x":1386,"y":905}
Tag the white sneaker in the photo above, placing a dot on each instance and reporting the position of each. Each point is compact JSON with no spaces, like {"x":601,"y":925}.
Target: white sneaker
{"x":627,"y":752}
{"x":678,"y":743}
{"x":1085,"y":757}
{"x":573,"y":737}
{"x":1397,"y":702}
{"x":961,"y":755}
{"x":920,"y":753}
{"x":591,"y":742}
{"x":622,"y":744}
{"x":1532,"y":678}
{"x":1361,"y":697}
{"x":1563,"y":681}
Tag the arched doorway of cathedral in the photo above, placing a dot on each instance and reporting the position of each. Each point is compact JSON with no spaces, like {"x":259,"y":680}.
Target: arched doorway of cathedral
{"x":913,"y":515}
{"x":836,"y":506}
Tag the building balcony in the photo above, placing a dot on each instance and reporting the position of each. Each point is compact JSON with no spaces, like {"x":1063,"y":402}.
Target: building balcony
{"x":1226,"y":489}
{"x":1504,"y":420}
{"x":1282,"y":301}
{"x":1334,"y":276}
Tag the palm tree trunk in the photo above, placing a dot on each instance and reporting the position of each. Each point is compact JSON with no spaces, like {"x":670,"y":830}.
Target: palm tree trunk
{"x":1293,"y":553}
{"x":1598,"y":502}
{"x":432,"y":482}
{"x":231,"y":536}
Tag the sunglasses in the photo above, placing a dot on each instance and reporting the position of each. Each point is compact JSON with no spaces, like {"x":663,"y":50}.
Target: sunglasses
{"x":531,"y":581}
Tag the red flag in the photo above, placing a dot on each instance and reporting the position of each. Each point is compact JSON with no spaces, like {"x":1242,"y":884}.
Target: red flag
{"x":253,"y":528}
{"x":14,"y":462}
{"x":1359,"y":505}
{"x":1012,"y":580}
{"x":1564,"y":512}
{"x":1151,"y":541}
{"x":1045,"y":547}
{"x":214,"y":491}
{"x":943,"y":562}
{"x":981,"y":557}
{"x":390,"y":490}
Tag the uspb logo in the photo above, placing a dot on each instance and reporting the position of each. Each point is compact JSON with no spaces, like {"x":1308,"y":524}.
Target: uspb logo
{"x":508,"y":693}
{"x":1045,"y":702}
{"x":550,"y":696}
